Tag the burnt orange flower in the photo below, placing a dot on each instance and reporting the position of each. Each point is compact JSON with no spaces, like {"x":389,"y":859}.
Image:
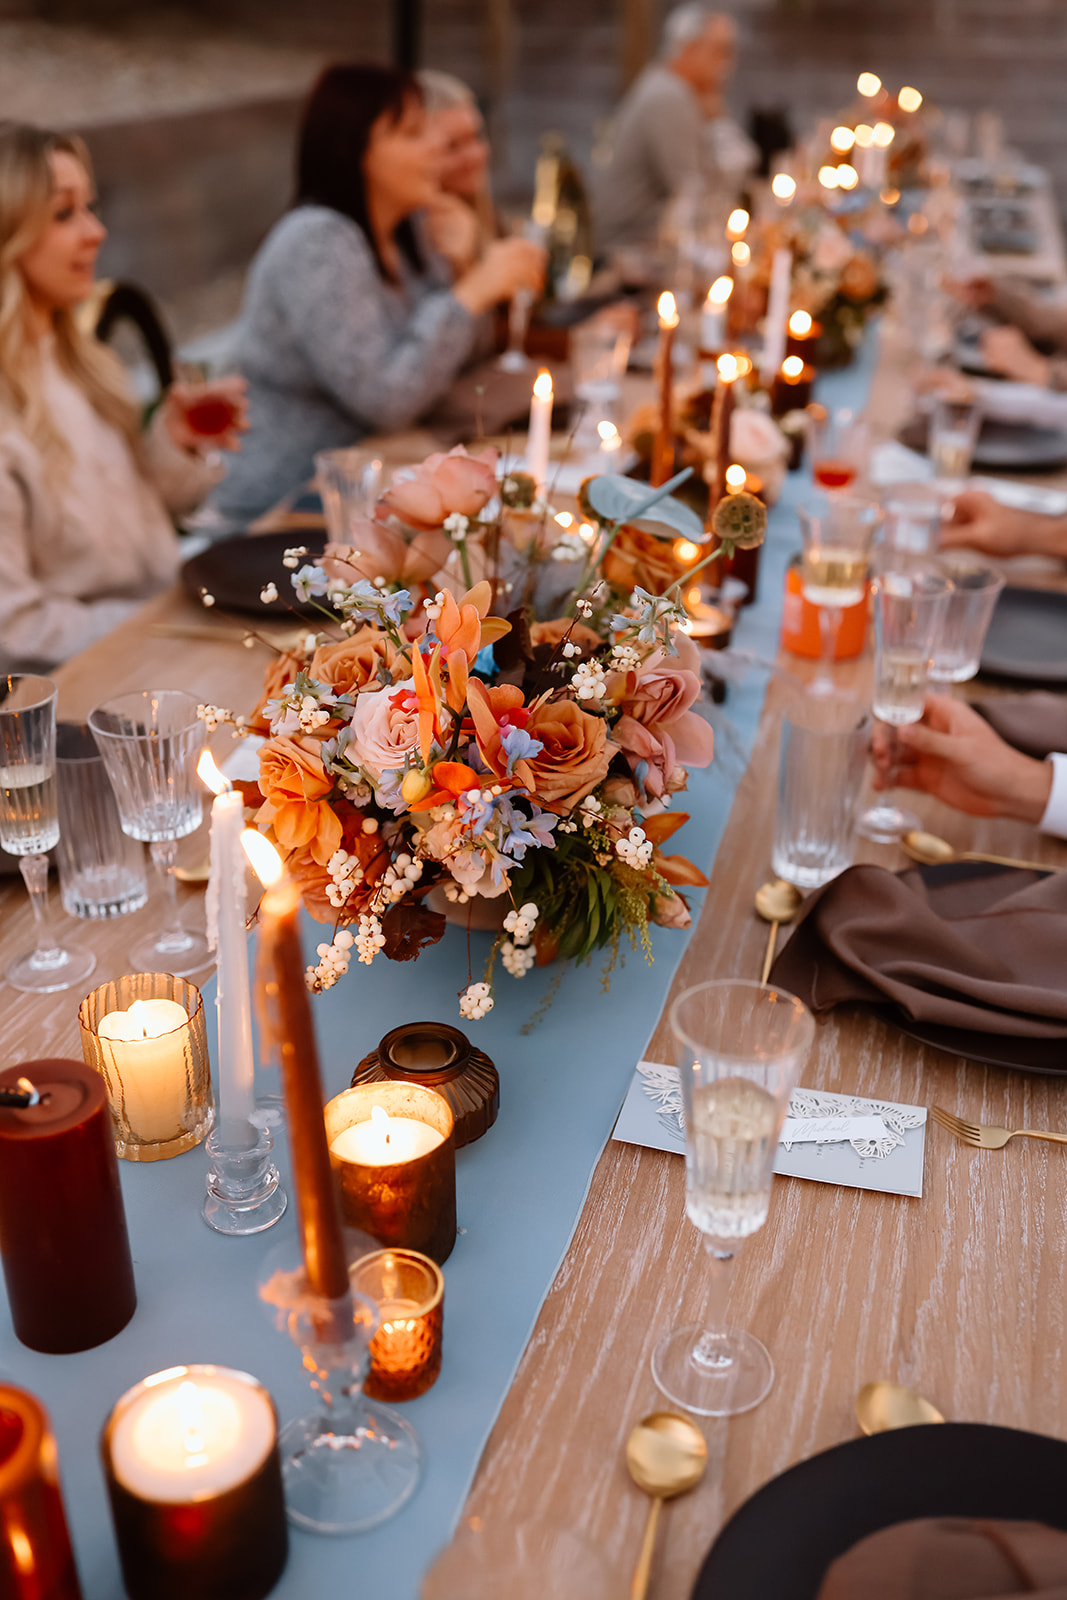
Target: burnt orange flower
{"x":296,"y":786}
{"x":641,"y":560}
{"x":575,"y":756}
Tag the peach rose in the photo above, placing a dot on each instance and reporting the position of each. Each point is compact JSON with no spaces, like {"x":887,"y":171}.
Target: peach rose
{"x":576,"y":755}
{"x":380,"y":550}
{"x":425,"y":495}
{"x":281,"y":672}
{"x":641,"y":560}
{"x":352,"y":664}
{"x":295,"y":785}
{"x":658,"y":696}
{"x":650,"y":753}
{"x":383,"y":732}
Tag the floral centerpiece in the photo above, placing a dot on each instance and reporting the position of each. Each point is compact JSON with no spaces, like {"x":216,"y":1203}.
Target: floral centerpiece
{"x":423,"y":748}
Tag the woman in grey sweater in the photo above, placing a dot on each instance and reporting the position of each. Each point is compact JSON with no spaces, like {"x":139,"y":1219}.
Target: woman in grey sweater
{"x":347,"y":328}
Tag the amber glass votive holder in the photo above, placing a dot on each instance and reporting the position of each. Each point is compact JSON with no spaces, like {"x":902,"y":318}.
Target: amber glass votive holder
{"x":158,"y":1086}
{"x":404,"y":1201}
{"x":36,"y":1562}
{"x":440,"y":1057}
{"x":405,"y":1353}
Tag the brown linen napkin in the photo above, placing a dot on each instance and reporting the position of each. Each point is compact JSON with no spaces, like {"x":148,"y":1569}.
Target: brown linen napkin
{"x":987,"y":953}
{"x":1036,"y":723}
{"x":952,"y":1559}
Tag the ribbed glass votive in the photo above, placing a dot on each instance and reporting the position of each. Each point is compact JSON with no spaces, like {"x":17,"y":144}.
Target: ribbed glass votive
{"x":146,"y":1037}
{"x":409,"y":1291}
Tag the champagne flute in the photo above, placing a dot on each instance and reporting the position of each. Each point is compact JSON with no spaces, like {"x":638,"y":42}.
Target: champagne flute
{"x":833,"y":574}
{"x":150,"y":742}
{"x":909,"y":613}
{"x":29,"y":825}
{"x":740,"y":1049}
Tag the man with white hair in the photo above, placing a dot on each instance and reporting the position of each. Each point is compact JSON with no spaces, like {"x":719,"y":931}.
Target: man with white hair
{"x":658,"y":147}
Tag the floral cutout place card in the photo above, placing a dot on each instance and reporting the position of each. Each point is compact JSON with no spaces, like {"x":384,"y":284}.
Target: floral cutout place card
{"x":829,"y":1138}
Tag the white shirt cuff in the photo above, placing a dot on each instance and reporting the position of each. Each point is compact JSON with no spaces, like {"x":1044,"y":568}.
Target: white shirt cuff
{"x":1055,"y":817}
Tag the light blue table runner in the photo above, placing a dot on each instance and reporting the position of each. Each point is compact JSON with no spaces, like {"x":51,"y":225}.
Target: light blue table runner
{"x":520,"y":1191}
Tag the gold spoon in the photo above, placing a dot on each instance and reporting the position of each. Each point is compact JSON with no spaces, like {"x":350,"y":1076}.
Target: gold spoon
{"x":666,"y":1455}
{"x":776,"y":902}
{"x":933,"y":852}
{"x":882,"y":1406}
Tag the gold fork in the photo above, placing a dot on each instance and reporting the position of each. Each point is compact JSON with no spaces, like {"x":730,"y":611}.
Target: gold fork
{"x":990,"y":1138}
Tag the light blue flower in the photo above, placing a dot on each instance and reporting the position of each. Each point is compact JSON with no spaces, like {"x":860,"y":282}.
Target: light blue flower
{"x":485,"y":664}
{"x":518,"y":745}
{"x":310,"y":581}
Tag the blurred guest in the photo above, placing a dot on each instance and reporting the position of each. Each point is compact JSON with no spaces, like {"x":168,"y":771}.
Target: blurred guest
{"x":1028,"y":320}
{"x":956,"y":756}
{"x":981,"y":523}
{"x":349,"y":326}
{"x":658,"y":141}
{"x":85,"y":495}
{"x":461,"y":220}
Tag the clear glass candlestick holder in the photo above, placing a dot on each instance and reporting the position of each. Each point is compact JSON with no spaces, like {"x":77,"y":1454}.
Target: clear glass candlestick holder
{"x":244,"y":1193}
{"x":351,"y":1463}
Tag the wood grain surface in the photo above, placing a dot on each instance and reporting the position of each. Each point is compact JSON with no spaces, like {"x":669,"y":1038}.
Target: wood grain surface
{"x":961,"y":1293}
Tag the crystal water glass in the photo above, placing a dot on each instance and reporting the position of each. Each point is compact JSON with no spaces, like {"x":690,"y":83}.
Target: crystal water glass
{"x":29,"y":825}
{"x":954,"y":426}
{"x":150,"y":742}
{"x":975,"y":590}
{"x":349,"y":482}
{"x":101,"y":869}
{"x":912,"y":519}
{"x":514,"y":358}
{"x":598,"y":351}
{"x":820,"y":774}
{"x":909,"y":612}
{"x":740,"y":1048}
{"x":837,"y":539}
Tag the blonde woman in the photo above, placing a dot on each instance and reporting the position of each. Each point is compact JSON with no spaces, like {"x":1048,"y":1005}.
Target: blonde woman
{"x":462,"y":221}
{"x":85,"y":496}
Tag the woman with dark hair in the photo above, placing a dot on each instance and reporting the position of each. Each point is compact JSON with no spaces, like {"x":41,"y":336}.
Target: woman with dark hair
{"x":349,"y":326}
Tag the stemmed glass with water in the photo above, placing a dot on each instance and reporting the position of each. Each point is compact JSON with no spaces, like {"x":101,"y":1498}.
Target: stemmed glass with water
{"x":29,"y":825}
{"x":514,"y":358}
{"x":150,"y":742}
{"x":740,"y":1049}
{"x":909,"y":613}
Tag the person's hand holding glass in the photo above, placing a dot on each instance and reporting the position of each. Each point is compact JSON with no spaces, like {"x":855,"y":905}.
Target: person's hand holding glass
{"x":740,"y":1049}
{"x":29,"y":825}
{"x":833,"y":574}
{"x":909,"y":613}
{"x":150,"y":742}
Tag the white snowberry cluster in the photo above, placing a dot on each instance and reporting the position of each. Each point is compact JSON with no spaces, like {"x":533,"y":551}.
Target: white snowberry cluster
{"x":400,"y":876}
{"x":635,"y":849}
{"x":310,"y":714}
{"x":346,"y":872}
{"x":521,"y":923}
{"x":583,"y":608}
{"x":517,"y":959}
{"x":333,"y":962}
{"x":434,"y":607}
{"x":569,"y":546}
{"x":213,"y":716}
{"x":590,"y":811}
{"x":475,"y":1002}
{"x":457,"y":525}
{"x":625,"y":658}
{"x":269,"y":593}
{"x":455,"y":893}
{"x":568,"y":825}
{"x":293,"y":557}
{"x":588,"y":681}
{"x":369,"y":939}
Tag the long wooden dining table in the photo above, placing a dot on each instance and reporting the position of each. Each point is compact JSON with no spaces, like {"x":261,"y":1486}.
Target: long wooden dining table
{"x":959,"y":1294}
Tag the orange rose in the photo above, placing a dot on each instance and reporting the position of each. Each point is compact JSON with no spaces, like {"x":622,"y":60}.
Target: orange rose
{"x":352,"y":664}
{"x":641,"y":560}
{"x":281,"y":672}
{"x":295,"y":785}
{"x":576,"y":756}
{"x":553,"y":632}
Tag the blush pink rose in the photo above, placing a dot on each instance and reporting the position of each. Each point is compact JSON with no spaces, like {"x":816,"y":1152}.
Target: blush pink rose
{"x":650,"y":753}
{"x":425,"y":495}
{"x":379,"y":550}
{"x":383,"y":732}
{"x":658,"y":696}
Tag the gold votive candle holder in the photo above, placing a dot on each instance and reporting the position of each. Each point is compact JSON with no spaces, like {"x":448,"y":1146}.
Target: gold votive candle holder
{"x":394,"y":1158}
{"x":405,"y":1353}
{"x":146,"y":1036}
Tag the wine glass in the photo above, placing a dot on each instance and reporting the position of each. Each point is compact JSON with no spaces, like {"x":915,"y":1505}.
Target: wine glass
{"x":833,"y":574}
{"x":514,"y":358}
{"x":740,"y":1049}
{"x":954,"y":428}
{"x":29,"y":825}
{"x":150,"y":741}
{"x":838,"y":449}
{"x":909,"y":613}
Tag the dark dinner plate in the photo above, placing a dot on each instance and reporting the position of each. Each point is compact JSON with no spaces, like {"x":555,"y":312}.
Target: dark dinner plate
{"x":1004,"y":446}
{"x":1046,"y":1057}
{"x":782,"y":1540}
{"x":1027,"y":637}
{"x":235,"y":570}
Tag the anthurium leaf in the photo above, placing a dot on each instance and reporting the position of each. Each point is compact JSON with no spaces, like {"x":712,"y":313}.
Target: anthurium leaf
{"x":618,"y":499}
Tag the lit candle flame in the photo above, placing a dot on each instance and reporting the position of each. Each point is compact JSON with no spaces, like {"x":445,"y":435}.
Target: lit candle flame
{"x":607,"y":430}
{"x":209,"y":774}
{"x":736,"y":223}
{"x":828,"y":177}
{"x":884,"y":134}
{"x":740,"y":253}
{"x":686,"y":551}
{"x":265,"y":861}
{"x":842,"y":140}
{"x":720,"y":291}
{"x":564,"y":519}
{"x":909,"y":99}
{"x":868,"y":84}
{"x":692,"y":599}
{"x":191,"y":1417}
{"x":735,"y":477}
{"x":793,"y":366}
{"x":800,"y":324}
{"x":847,"y":176}
{"x":728,"y":368}
{"x":783,"y":187}
{"x":380,"y":1122}
{"x":543,"y":384}
{"x":864,"y":135}
{"x":667,"y":309}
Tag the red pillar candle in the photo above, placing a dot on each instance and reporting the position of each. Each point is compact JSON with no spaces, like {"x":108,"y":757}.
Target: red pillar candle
{"x":63,"y":1239}
{"x":791,"y":387}
{"x":36,"y":1562}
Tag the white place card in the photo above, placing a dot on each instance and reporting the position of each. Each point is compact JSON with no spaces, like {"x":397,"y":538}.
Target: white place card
{"x":827,"y":1138}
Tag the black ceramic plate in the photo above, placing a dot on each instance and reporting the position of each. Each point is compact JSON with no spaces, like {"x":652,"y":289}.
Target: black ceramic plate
{"x":1046,"y":1057}
{"x":235,"y":570}
{"x":1004,"y":446}
{"x":1027,"y":637}
{"x":781,"y":1541}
